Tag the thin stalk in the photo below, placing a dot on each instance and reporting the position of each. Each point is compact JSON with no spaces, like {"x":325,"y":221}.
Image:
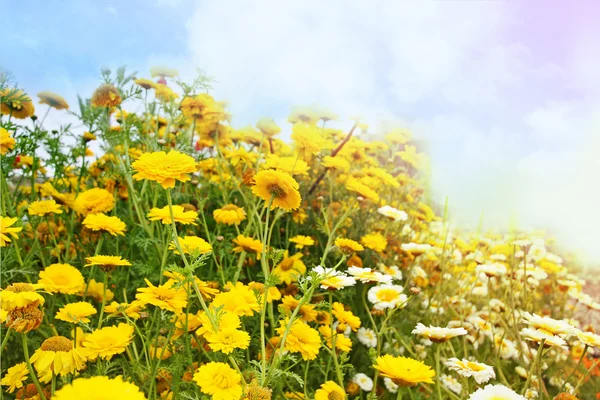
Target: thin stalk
{"x":30,"y":367}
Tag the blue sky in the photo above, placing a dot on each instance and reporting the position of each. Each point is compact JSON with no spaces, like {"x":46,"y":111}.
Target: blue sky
{"x":73,"y":39}
{"x":505,"y":95}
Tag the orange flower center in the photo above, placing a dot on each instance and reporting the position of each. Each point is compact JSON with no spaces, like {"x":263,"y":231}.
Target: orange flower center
{"x":276,"y":190}
{"x":335,"y":396}
{"x":286,"y":264}
{"x":57,"y":344}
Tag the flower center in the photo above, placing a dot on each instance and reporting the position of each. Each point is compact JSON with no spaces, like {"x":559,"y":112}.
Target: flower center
{"x":335,"y":396}
{"x":276,"y":190}
{"x":20,"y":287}
{"x":286,"y":264}
{"x":475,"y":367}
{"x":222,"y":382}
{"x":57,"y":344}
{"x":387,"y":295}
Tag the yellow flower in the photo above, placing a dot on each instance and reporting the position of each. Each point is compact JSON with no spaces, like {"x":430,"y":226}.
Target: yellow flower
{"x":164,"y":93}
{"x":53,"y":100}
{"x":227,"y":339}
{"x":239,"y":300}
{"x":345,"y":317}
{"x":57,"y":355}
{"x":307,"y":312}
{"x":404,"y":371}
{"x":179,"y":214}
{"x":106,"y":95}
{"x":273,"y":293}
{"x":76,"y":313}
{"x":131,"y":310}
{"x":279,"y":186}
{"x":19,"y":295}
{"x":229,"y":214}
{"x":7,"y":142}
{"x":219,"y":380}
{"x":354,"y":185}
{"x":61,"y":278}
{"x":301,"y":339}
{"x":224,"y":320}
{"x":336,"y":163}
{"x":107,"y":263}
{"x":44,"y":207}
{"x":291,"y":165}
{"x":24,"y":319}
{"x":374,"y":241}
{"x":95,"y":290}
{"x":15,"y":376}
{"x":290,"y":268}
{"x":303,"y":114}
{"x":103,"y":386}
{"x":247,"y":244}
{"x":102,"y":222}
{"x":107,"y":342}
{"x":165,"y":296}
{"x":330,"y":391}
{"x":5,"y":230}
{"x":307,"y":139}
{"x":348,"y":246}
{"x":61,"y":198}
{"x":197,"y":106}
{"x":342,"y":342}
{"x":164,"y":168}
{"x":411,"y":157}
{"x":16,"y":104}
{"x":94,"y":201}
{"x":145,"y":83}
{"x":268,"y":127}
{"x":191,"y":244}
{"x":302,"y":241}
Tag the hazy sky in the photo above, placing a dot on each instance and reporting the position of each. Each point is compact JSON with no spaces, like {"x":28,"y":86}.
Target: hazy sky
{"x":504,"y":93}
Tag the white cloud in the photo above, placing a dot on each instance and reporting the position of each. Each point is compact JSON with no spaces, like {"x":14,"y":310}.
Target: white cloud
{"x":502,"y":139}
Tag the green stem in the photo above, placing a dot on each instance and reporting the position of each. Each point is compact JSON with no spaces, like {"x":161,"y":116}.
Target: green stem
{"x":103,"y":300}
{"x":5,"y":340}
{"x":338,"y":371}
{"x":574,"y":369}
{"x":30,"y":367}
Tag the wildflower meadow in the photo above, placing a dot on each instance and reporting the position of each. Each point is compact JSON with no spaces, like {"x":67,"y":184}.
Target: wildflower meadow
{"x":165,"y":254}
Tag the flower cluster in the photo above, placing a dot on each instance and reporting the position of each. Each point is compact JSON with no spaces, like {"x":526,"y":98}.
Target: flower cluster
{"x":194,"y":259}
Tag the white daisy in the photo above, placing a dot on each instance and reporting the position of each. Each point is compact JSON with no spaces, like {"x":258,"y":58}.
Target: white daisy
{"x":392,"y":271}
{"x":393,"y":213}
{"x":495,"y":392}
{"x":451,"y":383}
{"x":367,"y":337}
{"x":389,"y":385}
{"x":537,"y":335}
{"x":479,"y":371}
{"x":332,"y":279}
{"x":367,"y":275}
{"x":387,"y":296}
{"x":437,"y":334}
{"x":363,"y":381}
{"x":415,"y":248}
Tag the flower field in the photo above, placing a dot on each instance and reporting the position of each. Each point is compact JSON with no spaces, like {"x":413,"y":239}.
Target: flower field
{"x":166,"y":254}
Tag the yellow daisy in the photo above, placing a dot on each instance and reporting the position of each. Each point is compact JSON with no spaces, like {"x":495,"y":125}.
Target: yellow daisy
{"x":44,"y":207}
{"x":5,"y":229}
{"x":76,"y":313}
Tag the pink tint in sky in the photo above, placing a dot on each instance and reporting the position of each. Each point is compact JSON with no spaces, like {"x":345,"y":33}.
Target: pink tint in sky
{"x":552,"y":29}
